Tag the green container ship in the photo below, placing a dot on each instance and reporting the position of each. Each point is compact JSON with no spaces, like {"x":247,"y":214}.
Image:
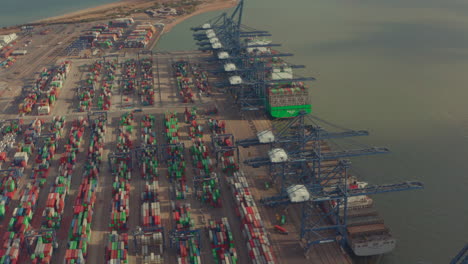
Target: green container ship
{"x":286,"y":99}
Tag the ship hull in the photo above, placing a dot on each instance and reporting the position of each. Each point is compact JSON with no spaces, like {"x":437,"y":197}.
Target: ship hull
{"x":373,"y":247}
{"x":287,"y":111}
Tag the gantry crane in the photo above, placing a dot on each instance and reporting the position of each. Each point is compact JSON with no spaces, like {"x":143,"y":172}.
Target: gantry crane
{"x":324,"y":194}
{"x":461,"y":257}
{"x":222,"y":143}
{"x":300,"y":141}
{"x":139,"y":232}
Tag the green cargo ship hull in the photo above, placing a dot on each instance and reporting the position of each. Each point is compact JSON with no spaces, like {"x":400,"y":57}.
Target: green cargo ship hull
{"x":287,"y":111}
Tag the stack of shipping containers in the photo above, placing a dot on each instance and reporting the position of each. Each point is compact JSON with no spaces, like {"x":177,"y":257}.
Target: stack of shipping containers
{"x":108,"y":82}
{"x":184,"y":82}
{"x":140,"y":36}
{"x":147,"y":82}
{"x":88,"y":89}
{"x":206,"y":183}
{"x":83,"y":208}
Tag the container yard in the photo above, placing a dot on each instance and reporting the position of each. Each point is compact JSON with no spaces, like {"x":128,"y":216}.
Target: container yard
{"x":144,"y":157}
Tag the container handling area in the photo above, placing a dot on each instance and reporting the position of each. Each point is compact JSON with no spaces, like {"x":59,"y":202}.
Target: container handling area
{"x":113,"y":153}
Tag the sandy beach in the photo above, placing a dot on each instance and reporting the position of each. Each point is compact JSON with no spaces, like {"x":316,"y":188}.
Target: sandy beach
{"x":206,"y":7}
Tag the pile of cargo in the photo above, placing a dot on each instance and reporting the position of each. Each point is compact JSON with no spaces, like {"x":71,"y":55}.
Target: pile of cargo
{"x":228,"y":162}
{"x":190,"y":115}
{"x":209,"y":193}
{"x":6,"y":52}
{"x":31,"y":98}
{"x":151,"y":242}
{"x":121,"y":22}
{"x":175,"y":158}
{"x":288,"y":94}
{"x":7,"y":43}
{"x":147,"y":82}
{"x":108,"y":37}
{"x":102,"y":36}
{"x":96,"y":146}
{"x":34,"y":130}
{"x":56,"y":128}
{"x":148,"y":130}
{"x":28,"y":103}
{"x":181,"y":215}
{"x":286,"y":99}
{"x":121,"y":170}
{"x":26,"y":149}
{"x":206,"y":182}
{"x":129,"y":72}
{"x":201,"y":79}
{"x":148,"y":164}
{"x":150,"y":209}
{"x":152,"y":248}
{"x":46,"y":89}
{"x":253,"y":230}
{"x":200,"y":157}
{"x":83,"y":208}
{"x":217,"y":126}
{"x":8,"y":188}
{"x":124,"y":143}
{"x":148,"y":159}
{"x":9,"y":129}
{"x":6,"y":143}
{"x":222,"y":241}
{"x":184,"y":82}
{"x":74,"y":140}
{"x":43,"y":79}
{"x":116,"y":248}
{"x":44,"y":249}
{"x":195,"y":129}
{"x":172,"y":128}
{"x":88,"y":89}
{"x":49,"y":95}
{"x":140,"y":36}
{"x":46,"y":152}
{"x":9,"y":61}
{"x":19,"y":224}
{"x":91,"y":34}
{"x":59,"y":190}
{"x":120,"y":206}
{"x":104,"y":99}
{"x":188,"y":251}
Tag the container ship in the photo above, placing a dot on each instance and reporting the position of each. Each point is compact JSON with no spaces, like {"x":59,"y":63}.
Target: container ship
{"x":284,"y":98}
{"x":287,"y":100}
{"x":367,"y":233}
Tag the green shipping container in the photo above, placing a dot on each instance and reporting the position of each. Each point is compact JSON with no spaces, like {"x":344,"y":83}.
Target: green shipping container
{"x":287,"y":111}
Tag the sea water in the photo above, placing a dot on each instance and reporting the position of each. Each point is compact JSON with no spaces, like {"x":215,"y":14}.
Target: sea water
{"x":13,"y":12}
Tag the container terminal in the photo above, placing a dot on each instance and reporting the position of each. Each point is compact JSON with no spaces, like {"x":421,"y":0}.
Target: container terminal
{"x":113,"y":153}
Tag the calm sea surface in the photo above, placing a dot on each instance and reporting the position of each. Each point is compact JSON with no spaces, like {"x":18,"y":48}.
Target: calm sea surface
{"x":14,"y":12}
{"x":398,"y":69}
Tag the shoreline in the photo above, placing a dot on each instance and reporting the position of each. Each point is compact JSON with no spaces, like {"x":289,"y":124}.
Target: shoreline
{"x":88,"y":10}
{"x":203,"y":8}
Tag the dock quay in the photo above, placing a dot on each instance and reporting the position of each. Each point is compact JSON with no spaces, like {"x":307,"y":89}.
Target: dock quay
{"x":122,"y":154}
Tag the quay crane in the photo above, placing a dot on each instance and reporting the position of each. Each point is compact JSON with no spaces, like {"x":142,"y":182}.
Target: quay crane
{"x":296,"y":156}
